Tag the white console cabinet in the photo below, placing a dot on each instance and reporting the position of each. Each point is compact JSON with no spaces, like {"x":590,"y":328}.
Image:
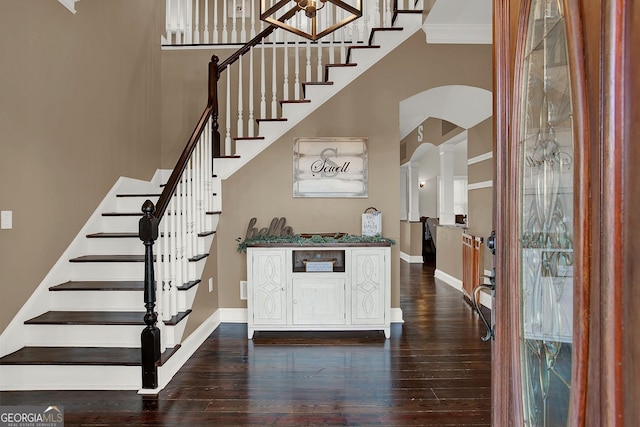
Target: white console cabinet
{"x":351,"y":289}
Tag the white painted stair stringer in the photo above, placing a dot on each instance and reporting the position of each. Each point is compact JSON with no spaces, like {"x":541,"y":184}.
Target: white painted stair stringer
{"x":319,"y":94}
{"x":12,"y":337}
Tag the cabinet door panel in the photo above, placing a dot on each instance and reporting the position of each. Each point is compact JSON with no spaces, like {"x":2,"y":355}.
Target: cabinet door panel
{"x":368,"y":286}
{"x":318,"y":300}
{"x":269,"y":285}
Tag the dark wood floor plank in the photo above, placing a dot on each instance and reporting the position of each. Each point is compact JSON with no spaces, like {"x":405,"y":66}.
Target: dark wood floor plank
{"x":433,"y":371}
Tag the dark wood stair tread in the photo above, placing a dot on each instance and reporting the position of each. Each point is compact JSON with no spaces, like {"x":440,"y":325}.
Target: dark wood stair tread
{"x":327,"y":67}
{"x":89,"y":318}
{"x":277,"y":119}
{"x":248,"y":138}
{"x":295,"y":101}
{"x":124,"y":285}
{"x":111,"y":356}
{"x":119,"y":318}
{"x":122,"y":213}
{"x":351,"y":48}
{"x":117,"y":235}
{"x":108,"y":258}
{"x":100,"y":285}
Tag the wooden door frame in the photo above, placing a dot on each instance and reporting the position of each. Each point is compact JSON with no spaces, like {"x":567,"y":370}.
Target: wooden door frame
{"x":604,"y":40}
{"x":606,"y":301}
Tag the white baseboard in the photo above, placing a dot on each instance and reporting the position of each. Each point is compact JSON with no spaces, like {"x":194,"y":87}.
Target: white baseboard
{"x":233,"y":315}
{"x":485,"y":298}
{"x":448,"y":279}
{"x":396,"y":315}
{"x":413,"y":259}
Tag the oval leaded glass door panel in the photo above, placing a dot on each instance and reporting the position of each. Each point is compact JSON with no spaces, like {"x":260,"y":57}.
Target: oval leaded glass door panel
{"x":545,"y":257}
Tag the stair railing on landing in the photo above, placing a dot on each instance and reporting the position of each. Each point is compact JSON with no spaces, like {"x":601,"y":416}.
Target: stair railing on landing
{"x":187,"y":208}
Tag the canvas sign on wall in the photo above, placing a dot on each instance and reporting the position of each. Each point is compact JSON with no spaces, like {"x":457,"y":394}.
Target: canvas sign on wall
{"x":330,"y":167}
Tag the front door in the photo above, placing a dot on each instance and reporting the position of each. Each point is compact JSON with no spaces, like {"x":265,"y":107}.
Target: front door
{"x":567,"y":125}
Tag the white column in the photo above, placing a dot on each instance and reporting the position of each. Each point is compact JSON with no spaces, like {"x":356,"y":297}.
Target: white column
{"x":445,"y":194}
{"x":403,"y":193}
{"x":413,"y":183}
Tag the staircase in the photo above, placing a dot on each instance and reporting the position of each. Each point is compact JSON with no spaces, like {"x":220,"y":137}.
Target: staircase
{"x":81,"y":327}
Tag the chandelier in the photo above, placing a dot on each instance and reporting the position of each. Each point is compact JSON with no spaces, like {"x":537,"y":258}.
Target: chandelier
{"x":314,"y":25}
{"x":310,"y":7}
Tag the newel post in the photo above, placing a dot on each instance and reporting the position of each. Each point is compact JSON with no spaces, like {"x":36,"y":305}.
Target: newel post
{"x":214,"y":76}
{"x":150,"y":337}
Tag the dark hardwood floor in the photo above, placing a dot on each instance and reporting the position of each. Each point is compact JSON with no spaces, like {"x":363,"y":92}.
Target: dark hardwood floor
{"x":433,"y":371}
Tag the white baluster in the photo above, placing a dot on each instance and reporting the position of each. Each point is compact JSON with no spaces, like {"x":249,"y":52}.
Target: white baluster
{"x":227,"y":138}
{"x":243,"y":31}
{"x":174,"y":253}
{"x":184,"y":245}
{"x":189,"y":210}
{"x":179,"y":245}
{"x":332,"y":53}
{"x":159,"y":270}
{"x":250,"y":120}
{"x":240,"y":129}
{"x":308,"y":63}
{"x":225,"y":36}
{"x":166,"y":267}
{"x":296,"y":82}
{"x":388,"y":14}
{"x":274,"y":83}
{"x":285,"y":66}
{"x":196,"y":24}
{"x":208,"y":172}
{"x":167,"y":21}
{"x":234,"y":29}
{"x":193,"y":239}
{"x":179,"y":20}
{"x":343,"y":39}
{"x":187,"y":23}
{"x":253,"y":20}
{"x":319,"y":59}
{"x":205,"y":33}
{"x":215,"y":22}
{"x":263,"y":89}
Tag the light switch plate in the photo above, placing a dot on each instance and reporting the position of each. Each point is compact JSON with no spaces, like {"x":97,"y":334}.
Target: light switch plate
{"x":6,"y":220}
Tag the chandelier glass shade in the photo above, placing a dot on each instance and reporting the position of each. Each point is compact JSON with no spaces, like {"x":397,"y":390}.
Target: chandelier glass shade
{"x":311,"y":19}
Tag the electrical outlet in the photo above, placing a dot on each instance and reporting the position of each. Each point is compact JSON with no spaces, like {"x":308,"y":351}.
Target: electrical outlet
{"x":210,"y":284}
{"x":6,"y":220}
{"x":243,"y":289}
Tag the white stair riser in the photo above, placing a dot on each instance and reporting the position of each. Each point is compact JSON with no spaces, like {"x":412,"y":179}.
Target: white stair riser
{"x":114,"y":245}
{"x":186,"y":298}
{"x":68,"y":377}
{"x":133,"y":204}
{"x":85,"y":335}
{"x":97,"y":300}
{"x":120,"y":223}
{"x":172,"y":336}
{"x":107,"y":271}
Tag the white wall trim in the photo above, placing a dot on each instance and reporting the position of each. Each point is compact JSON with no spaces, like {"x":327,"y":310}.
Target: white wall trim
{"x":234,"y":315}
{"x":479,"y":185}
{"x":69,"y":4}
{"x":413,"y":259}
{"x":485,"y":298}
{"x":448,"y":279}
{"x":396,"y":315}
{"x":480,"y":158}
